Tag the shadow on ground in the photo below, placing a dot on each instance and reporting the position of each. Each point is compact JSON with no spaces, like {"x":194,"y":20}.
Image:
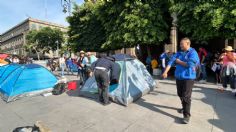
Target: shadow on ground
{"x":224,"y":105}
{"x":156,"y":108}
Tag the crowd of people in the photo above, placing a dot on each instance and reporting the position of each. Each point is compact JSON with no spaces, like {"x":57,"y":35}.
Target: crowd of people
{"x":222,"y":64}
{"x":85,"y":65}
{"x":14,"y":59}
{"x":80,"y":64}
{"x":190,"y":66}
{"x":188,"y":62}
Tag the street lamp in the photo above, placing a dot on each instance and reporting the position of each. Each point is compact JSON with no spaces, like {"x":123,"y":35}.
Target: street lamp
{"x":66,"y":5}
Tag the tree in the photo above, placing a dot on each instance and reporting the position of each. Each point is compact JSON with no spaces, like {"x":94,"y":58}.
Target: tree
{"x":134,"y":22}
{"x":44,"y":40}
{"x":32,"y":45}
{"x":85,"y":31}
{"x":206,"y":19}
{"x":49,"y":39}
{"x":108,"y":25}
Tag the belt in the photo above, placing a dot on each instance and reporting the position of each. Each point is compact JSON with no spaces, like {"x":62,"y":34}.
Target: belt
{"x":101,"y":68}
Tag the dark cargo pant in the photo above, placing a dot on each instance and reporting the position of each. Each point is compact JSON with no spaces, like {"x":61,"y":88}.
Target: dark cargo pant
{"x":184,"y":90}
{"x":231,"y":80}
{"x":102,"y":80}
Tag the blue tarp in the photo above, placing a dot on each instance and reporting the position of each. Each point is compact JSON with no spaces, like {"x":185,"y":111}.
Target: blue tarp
{"x":18,"y":80}
{"x":135,"y":81}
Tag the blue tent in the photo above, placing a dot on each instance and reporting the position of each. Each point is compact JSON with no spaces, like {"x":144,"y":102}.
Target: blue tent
{"x":24,"y":80}
{"x":135,"y":81}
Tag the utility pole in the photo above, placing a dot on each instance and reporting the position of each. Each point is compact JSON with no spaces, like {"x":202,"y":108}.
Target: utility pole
{"x":66,"y":5}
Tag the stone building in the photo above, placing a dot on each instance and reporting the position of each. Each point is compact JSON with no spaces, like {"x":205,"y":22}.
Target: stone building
{"x":12,"y":40}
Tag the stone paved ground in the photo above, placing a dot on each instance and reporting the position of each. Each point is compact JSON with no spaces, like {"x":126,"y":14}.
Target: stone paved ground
{"x":155,"y":112}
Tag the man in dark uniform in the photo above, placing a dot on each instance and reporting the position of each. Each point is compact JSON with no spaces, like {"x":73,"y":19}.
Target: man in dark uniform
{"x":103,"y":67}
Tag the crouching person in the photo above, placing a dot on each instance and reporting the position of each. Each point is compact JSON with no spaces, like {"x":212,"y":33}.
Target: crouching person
{"x":103,"y":67}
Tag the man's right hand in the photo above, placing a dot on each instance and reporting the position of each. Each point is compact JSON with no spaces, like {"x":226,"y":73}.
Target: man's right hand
{"x":164,"y":75}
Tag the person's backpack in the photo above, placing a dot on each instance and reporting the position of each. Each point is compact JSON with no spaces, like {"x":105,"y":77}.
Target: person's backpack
{"x":59,"y":89}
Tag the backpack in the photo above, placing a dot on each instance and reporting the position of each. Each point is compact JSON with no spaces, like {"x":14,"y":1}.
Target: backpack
{"x":59,"y":89}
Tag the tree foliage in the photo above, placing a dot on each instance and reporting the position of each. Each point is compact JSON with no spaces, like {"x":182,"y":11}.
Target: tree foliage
{"x":49,"y":38}
{"x":44,"y":40}
{"x":85,"y":31}
{"x":134,"y":22}
{"x":206,"y":19}
{"x":111,"y":24}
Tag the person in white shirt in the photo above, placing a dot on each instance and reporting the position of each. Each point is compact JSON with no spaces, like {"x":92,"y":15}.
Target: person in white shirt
{"x":15,"y":60}
{"x":62,"y":64}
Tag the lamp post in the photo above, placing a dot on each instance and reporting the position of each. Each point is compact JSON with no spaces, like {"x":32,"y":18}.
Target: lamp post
{"x":174,"y":34}
{"x":66,"y":5}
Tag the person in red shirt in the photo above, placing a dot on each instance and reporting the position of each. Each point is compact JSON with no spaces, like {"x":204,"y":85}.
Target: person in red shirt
{"x":202,"y":55}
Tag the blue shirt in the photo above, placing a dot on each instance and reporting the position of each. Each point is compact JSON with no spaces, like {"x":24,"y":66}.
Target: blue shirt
{"x":69,"y":63}
{"x":148,"y":60}
{"x":186,"y":72}
{"x":163,"y":56}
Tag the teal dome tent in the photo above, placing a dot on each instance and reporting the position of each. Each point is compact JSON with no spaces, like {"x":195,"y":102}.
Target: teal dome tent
{"x":135,"y":81}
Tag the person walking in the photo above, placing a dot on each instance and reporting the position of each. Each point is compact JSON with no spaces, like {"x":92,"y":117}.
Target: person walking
{"x":62,"y":64}
{"x":69,"y":64}
{"x":186,"y":61}
{"x":203,"y":55}
{"x":228,"y":71}
{"x":216,"y":67}
{"x":103,"y":69}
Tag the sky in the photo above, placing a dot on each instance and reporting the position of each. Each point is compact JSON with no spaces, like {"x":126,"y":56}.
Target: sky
{"x":13,"y":12}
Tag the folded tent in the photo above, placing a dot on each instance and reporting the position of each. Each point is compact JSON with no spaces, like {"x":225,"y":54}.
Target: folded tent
{"x":24,"y":80}
{"x":135,"y":81}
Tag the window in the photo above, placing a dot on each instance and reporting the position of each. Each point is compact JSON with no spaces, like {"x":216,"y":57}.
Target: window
{"x":33,"y":26}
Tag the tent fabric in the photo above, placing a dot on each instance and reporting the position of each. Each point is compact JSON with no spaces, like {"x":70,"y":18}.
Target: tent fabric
{"x":24,"y":80}
{"x":3,"y":56}
{"x":135,"y":81}
{"x":122,"y":57}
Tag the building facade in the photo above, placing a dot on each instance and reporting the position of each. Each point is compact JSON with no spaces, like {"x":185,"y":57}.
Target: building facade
{"x":12,"y":40}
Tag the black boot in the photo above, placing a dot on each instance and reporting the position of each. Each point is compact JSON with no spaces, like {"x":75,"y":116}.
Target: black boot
{"x":186,"y":119}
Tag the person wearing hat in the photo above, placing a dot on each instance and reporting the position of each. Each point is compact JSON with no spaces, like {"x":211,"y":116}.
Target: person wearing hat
{"x":104,"y":70}
{"x":82,"y":62}
{"x":228,"y":72}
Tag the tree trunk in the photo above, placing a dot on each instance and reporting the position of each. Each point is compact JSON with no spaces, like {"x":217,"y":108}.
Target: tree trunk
{"x":148,"y":51}
{"x":38,"y":55}
{"x":124,"y":50}
{"x":108,"y":53}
